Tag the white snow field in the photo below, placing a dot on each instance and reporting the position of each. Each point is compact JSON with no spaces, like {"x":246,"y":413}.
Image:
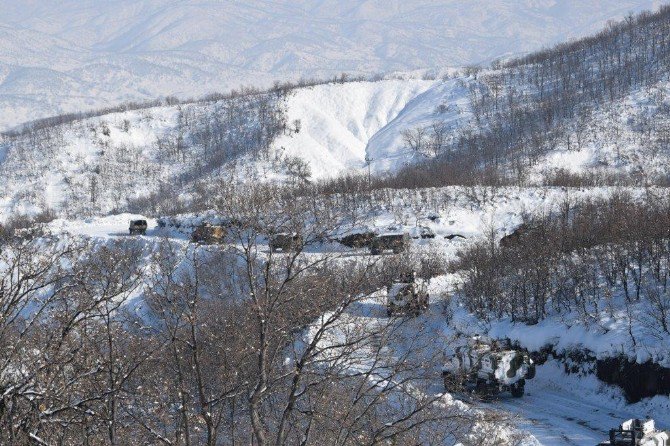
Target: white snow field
{"x":560,"y":409}
{"x":338,"y":120}
{"x":343,"y":125}
{"x":71,"y":55}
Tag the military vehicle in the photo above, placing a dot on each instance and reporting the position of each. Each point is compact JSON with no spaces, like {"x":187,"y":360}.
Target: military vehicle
{"x":487,"y":368}
{"x":286,"y":242}
{"x":358,"y":240}
{"x":637,"y":432}
{"x":208,"y":234}
{"x":408,"y":297}
{"x":137,"y":227}
{"x":423,"y":232}
{"x":396,"y":242}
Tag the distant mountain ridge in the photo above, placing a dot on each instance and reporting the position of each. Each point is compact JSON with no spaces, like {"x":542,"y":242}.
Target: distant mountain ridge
{"x":71,"y":55}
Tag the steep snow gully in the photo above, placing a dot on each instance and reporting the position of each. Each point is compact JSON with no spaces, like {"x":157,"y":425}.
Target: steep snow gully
{"x":343,"y":126}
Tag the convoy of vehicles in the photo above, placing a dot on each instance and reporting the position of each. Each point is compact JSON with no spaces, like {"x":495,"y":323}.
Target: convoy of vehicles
{"x":483,"y":366}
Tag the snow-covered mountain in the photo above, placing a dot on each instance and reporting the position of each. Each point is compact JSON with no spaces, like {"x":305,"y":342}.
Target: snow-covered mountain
{"x":98,"y":164}
{"x":72,"y":55}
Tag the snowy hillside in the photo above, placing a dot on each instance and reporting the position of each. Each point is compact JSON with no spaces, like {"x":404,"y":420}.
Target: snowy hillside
{"x":343,"y":125}
{"x":473,"y":256}
{"x":99,"y":164}
{"x":628,"y":137}
{"x":73,"y":55}
{"x":330,"y":129}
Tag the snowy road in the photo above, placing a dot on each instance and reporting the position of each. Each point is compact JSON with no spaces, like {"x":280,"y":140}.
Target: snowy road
{"x":554,"y":418}
{"x":565,"y":410}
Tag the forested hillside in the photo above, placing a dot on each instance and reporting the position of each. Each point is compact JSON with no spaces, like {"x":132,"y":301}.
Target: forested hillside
{"x":579,"y":97}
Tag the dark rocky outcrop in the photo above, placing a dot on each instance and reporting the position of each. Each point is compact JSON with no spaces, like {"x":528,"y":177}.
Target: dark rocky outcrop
{"x":637,"y":380}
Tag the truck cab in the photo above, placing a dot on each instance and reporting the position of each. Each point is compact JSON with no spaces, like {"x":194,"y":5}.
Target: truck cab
{"x":487,"y":369}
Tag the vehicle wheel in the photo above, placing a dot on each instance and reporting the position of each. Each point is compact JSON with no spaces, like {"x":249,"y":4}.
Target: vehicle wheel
{"x":517,"y":390}
{"x":531,"y":372}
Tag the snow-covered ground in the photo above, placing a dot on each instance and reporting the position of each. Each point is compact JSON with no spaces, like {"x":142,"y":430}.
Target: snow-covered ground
{"x":339,"y":120}
{"x":560,"y":409}
{"x":96,"y":165}
{"x":557,"y":409}
{"x":624,"y":137}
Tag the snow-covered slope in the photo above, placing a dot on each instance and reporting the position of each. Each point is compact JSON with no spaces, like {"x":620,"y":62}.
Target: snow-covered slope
{"x":71,"y":55}
{"x":98,"y":164}
{"x":338,"y":121}
{"x":558,"y":409}
{"x":340,"y":126}
{"x":445,"y":103}
{"x":628,"y":137}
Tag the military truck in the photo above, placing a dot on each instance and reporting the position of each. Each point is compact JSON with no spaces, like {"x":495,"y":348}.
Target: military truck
{"x":423,"y":232}
{"x":408,"y":297}
{"x":137,"y":227}
{"x":396,"y":242}
{"x":286,"y":242}
{"x":636,"y":432}
{"x":487,"y":368}
{"x":358,"y":240}
{"x":208,"y":234}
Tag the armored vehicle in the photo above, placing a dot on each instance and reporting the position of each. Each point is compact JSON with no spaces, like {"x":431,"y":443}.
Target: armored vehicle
{"x":487,"y":369}
{"x":426,"y":232}
{"x":423,"y":232}
{"x":396,"y":242}
{"x":358,"y":240}
{"x":207,"y":233}
{"x":286,"y":242}
{"x":637,"y":432}
{"x":137,"y":227}
{"x":409,"y":297}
